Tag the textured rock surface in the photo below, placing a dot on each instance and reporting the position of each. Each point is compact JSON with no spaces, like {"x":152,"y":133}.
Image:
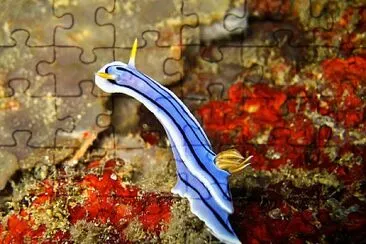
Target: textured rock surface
{"x":8,"y":166}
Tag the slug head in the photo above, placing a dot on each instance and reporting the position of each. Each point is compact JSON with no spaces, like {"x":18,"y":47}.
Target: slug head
{"x":115,"y":74}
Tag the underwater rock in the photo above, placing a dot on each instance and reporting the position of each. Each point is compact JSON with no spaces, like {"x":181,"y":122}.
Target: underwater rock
{"x":8,"y":166}
{"x":234,"y":23}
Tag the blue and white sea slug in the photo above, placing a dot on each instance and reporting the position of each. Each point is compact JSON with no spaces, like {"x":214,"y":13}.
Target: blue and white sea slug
{"x":202,"y":176}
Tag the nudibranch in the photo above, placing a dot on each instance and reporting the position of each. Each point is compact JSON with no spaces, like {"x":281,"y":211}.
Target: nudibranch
{"x":202,"y":176}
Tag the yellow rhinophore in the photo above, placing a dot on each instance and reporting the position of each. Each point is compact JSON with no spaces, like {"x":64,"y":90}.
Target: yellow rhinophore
{"x":131,"y":62}
{"x":106,"y":76}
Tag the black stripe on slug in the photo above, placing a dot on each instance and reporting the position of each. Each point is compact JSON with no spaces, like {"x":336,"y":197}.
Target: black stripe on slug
{"x":217,"y":216}
{"x":202,"y":165}
{"x":182,"y":108}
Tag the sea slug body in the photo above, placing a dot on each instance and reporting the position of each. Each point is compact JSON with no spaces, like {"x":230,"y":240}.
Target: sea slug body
{"x":199,"y":179}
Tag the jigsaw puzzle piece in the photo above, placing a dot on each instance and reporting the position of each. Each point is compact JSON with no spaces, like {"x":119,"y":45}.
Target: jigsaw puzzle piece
{"x":36,"y":17}
{"x":67,"y":71}
{"x":209,"y":20}
{"x":151,"y":58}
{"x":273,"y":16}
{"x":38,"y":115}
{"x":19,"y":145}
{"x":236,"y":19}
{"x":300,"y":49}
{"x":30,"y":127}
{"x":27,"y":155}
{"x":131,"y":20}
{"x":84,"y":33}
{"x":214,"y":67}
{"x":20,"y":60}
{"x":88,"y":111}
{"x":294,"y":48}
{"x":313,"y":22}
{"x":234,"y":23}
{"x":173,"y":66}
